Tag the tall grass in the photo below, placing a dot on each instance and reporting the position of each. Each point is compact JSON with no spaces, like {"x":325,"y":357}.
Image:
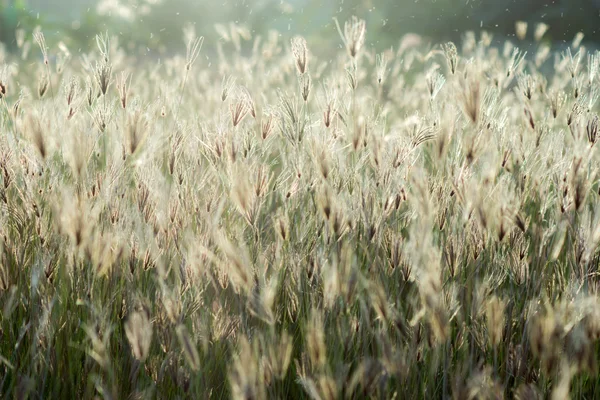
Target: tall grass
{"x":419,"y":223}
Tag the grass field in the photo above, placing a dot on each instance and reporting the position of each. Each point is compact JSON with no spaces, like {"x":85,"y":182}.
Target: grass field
{"x":418,"y":223}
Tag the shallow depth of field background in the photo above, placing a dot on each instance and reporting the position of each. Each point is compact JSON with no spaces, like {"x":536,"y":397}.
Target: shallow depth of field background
{"x":155,"y":25}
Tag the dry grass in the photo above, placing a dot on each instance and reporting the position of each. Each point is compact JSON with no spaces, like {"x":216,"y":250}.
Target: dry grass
{"x":421,"y":223}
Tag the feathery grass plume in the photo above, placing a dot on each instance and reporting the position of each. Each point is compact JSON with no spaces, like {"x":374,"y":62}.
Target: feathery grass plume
{"x":246,"y":199}
{"x":292,"y":118}
{"x":577,"y":40}
{"x":227,"y":84}
{"x":103,"y":44}
{"x":579,"y":183}
{"x":359,"y":132}
{"x":245,"y":93}
{"x":223,"y":32}
{"x":193,"y":46}
{"x":572,"y":62}
{"x":25,"y":50}
{"x":102,"y":115}
{"x":267,"y":124}
{"x":99,"y":351}
{"x":315,"y":340}
{"x":351,"y":76}
{"x":77,"y":218}
{"x":330,"y":103}
{"x":239,"y":108}
{"x":381,"y":67}
{"x":469,"y":42}
{"x":592,"y":97}
{"x":576,"y":111}
{"x":261,"y":302}
{"x":542,"y":54}
{"x":527,"y":85}
{"x":237,"y":33}
{"x":420,"y":133}
{"x":332,"y":285}
{"x":239,"y":268}
{"x":470,"y":97}
{"x":515,"y":62}
{"x":324,"y":388}
{"x":34,"y":127}
{"x":5,"y":159}
{"x":557,"y":101}
{"x":593,"y":65}
{"x":170,"y":300}
{"x":189,"y":347}
{"x":354,"y":34}
{"x":521,"y":29}
{"x":577,"y":84}
{"x":245,"y":377}
{"x":325,"y":202}
{"x":262,"y":179}
{"x":90,"y":90}
{"x":193,"y":51}
{"x":71,"y":88}
{"x":62,"y":58}
{"x":137,"y":127}
{"x":138,"y":330}
{"x":591,"y":129}
{"x":380,"y":303}
{"x":20,"y":37}
{"x":40,"y":39}
{"x":529,"y":118}
{"x":451,"y":54}
{"x":495,"y":319}
{"x":300,"y":53}
{"x":435,"y":82}
{"x":43,"y":83}
{"x":323,"y":161}
{"x":123,"y":82}
{"x":279,"y":353}
{"x":103,"y":75}
{"x":305,"y":83}
{"x":79,"y":148}
{"x":540,"y":30}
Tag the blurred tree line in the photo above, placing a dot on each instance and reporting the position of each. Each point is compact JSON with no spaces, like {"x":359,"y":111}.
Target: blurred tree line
{"x":158,"y":24}
{"x":449,"y":19}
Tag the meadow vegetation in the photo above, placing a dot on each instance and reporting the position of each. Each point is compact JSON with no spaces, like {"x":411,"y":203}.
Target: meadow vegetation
{"x":417,"y":223}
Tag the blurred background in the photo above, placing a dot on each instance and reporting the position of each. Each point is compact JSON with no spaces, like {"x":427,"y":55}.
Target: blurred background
{"x":157,"y":24}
